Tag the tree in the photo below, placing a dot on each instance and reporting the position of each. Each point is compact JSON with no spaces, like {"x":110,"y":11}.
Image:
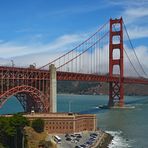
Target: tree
{"x":18,"y":122}
{"x":7,"y":132}
{"x":11,"y":130}
{"x":38,"y":125}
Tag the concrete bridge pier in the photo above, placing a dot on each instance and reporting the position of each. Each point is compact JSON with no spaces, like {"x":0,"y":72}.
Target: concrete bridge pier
{"x":53,"y":88}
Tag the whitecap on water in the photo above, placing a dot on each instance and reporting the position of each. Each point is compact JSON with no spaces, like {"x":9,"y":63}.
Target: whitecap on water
{"x":119,"y":141}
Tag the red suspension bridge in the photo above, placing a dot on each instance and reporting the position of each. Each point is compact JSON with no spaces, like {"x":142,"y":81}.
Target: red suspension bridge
{"x":100,"y":58}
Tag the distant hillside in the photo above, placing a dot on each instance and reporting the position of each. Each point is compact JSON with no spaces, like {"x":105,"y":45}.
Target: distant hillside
{"x":76,"y":87}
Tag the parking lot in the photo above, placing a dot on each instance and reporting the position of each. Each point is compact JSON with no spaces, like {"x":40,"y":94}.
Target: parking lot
{"x":79,"y":140}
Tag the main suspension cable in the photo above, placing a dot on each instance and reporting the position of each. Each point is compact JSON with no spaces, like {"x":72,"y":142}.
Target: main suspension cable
{"x":76,"y":46}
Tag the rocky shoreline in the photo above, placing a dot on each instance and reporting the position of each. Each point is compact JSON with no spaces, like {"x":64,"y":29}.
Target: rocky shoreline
{"x":103,"y":141}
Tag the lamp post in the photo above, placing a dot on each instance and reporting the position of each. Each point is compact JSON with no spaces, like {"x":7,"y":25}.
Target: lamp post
{"x":12,"y":63}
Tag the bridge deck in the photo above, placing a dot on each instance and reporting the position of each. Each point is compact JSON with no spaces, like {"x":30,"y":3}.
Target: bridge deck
{"x":36,"y":74}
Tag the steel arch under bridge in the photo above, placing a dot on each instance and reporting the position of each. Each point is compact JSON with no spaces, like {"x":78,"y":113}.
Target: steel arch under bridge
{"x":29,"y":86}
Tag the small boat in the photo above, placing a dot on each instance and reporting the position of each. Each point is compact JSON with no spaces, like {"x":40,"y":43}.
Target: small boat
{"x":103,"y":107}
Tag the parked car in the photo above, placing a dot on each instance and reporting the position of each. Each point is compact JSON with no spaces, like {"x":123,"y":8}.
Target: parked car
{"x":68,"y":139}
{"x":83,"y":146}
{"x":79,"y":136}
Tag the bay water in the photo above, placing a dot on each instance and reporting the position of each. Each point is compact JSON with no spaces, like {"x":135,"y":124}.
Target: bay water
{"x":128,"y":126}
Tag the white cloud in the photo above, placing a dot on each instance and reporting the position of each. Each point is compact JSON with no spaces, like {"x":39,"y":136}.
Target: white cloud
{"x":137,"y":13}
{"x":136,"y":32}
{"x":136,"y":18}
{"x":24,"y":55}
{"x":134,"y":14}
{"x":142,"y":54}
{"x":10,"y":49}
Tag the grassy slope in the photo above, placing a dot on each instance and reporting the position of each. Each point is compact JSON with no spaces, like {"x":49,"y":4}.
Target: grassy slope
{"x":34,"y":138}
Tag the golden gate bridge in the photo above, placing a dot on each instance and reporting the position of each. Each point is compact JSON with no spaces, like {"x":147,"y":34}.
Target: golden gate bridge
{"x":100,"y":58}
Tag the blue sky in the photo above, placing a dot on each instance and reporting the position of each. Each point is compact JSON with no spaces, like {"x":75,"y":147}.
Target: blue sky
{"x":45,"y":20}
{"x":33,"y":28}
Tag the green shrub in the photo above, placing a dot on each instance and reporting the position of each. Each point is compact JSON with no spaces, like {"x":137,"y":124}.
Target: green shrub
{"x":38,"y":125}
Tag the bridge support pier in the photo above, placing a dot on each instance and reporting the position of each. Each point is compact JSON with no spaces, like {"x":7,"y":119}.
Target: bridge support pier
{"x":53,"y":88}
{"x":116,"y":88}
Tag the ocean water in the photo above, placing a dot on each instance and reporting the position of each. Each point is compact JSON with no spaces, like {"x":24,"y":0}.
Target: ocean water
{"x":128,"y":126}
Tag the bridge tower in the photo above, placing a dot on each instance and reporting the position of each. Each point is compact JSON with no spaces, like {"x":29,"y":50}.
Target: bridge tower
{"x":116,"y":89}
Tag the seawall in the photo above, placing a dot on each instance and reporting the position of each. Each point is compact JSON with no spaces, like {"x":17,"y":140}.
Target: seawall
{"x":104,"y":140}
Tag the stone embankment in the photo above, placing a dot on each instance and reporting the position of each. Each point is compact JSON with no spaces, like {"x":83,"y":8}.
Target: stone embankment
{"x":104,"y":140}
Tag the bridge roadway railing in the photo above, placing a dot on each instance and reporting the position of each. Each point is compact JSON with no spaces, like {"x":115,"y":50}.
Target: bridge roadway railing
{"x":28,"y":76}
{"x":96,"y":77}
